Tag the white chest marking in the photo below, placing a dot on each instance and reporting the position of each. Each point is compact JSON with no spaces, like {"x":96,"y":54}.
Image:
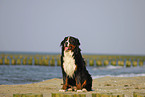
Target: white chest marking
{"x":69,"y":63}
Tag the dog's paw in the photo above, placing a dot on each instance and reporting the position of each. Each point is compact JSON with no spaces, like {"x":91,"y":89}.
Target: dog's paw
{"x":79,"y":91}
{"x":62,"y":90}
{"x":69,"y":89}
{"x":84,"y":90}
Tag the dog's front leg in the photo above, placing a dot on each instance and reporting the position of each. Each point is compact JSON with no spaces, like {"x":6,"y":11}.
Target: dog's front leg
{"x":78,"y":82}
{"x":65,"y":82}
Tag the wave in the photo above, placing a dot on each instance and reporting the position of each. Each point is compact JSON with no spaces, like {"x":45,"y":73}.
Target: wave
{"x":121,"y":75}
{"x":108,"y":67}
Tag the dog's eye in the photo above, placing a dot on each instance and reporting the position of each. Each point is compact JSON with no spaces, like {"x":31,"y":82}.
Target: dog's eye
{"x":71,"y":42}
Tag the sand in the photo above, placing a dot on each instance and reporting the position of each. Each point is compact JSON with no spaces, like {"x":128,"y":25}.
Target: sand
{"x":125,"y":85}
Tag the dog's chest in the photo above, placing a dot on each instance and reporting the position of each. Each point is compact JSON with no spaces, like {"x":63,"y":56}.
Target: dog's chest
{"x":69,"y":63}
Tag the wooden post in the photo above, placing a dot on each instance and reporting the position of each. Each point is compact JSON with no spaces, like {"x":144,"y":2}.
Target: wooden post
{"x":1,"y":61}
{"x":29,"y":61}
{"x":121,"y":63}
{"x":106,"y":62}
{"x":98,"y":62}
{"x":24,"y":61}
{"x":6,"y":60}
{"x":140,"y":63}
{"x":113,"y":62}
{"x":40,"y":61}
{"x":58,"y":62}
{"x":18,"y":61}
{"x":91,"y":62}
{"x":45,"y":62}
{"x":36,"y":61}
{"x":13,"y":61}
{"x":52,"y":62}
{"x":28,"y":95}
{"x":134,"y":63}
{"x":128,"y":63}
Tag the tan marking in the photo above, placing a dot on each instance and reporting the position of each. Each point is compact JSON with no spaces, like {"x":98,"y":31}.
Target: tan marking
{"x":72,"y":46}
{"x":65,"y":85}
{"x":85,"y":82}
{"x":79,"y":86}
{"x":76,"y":68}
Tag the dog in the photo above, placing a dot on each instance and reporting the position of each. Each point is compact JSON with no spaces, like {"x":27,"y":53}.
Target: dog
{"x":73,"y":66}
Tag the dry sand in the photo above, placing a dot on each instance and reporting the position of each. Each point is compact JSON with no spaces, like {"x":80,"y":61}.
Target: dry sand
{"x":125,"y":85}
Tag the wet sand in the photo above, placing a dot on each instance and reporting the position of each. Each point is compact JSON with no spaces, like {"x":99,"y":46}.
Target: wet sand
{"x":124,"y":85}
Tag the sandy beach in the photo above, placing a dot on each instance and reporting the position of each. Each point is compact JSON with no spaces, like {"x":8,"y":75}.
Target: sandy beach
{"x":124,"y":85}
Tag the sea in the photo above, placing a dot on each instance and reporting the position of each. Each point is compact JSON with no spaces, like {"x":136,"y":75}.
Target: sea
{"x":26,"y":74}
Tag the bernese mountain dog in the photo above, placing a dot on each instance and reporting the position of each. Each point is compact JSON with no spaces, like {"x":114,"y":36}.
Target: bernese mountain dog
{"x":73,"y":66}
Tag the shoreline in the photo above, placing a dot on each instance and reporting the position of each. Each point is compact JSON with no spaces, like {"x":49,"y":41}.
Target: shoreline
{"x":124,"y":85}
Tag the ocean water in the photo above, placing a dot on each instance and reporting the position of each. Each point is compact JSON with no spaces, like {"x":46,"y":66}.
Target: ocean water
{"x":25,"y":74}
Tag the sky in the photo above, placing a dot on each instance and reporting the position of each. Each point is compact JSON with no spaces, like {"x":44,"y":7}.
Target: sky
{"x":102,"y":26}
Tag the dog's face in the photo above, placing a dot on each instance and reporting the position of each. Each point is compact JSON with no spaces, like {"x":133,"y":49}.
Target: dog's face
{"x":70,"y":43}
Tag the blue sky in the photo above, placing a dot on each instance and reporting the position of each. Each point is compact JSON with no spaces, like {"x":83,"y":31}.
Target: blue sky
{"x":102,"y":26}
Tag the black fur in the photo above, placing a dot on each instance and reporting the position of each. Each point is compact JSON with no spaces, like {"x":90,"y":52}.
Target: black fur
{"x":81,"y":78}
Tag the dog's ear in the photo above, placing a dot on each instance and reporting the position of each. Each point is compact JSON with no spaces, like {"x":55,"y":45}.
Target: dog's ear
{"x":62,"y":43}
{"x":77,"y":42}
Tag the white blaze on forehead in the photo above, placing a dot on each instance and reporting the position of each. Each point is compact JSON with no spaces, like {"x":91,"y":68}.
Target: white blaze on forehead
{"x":68,"y":41}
